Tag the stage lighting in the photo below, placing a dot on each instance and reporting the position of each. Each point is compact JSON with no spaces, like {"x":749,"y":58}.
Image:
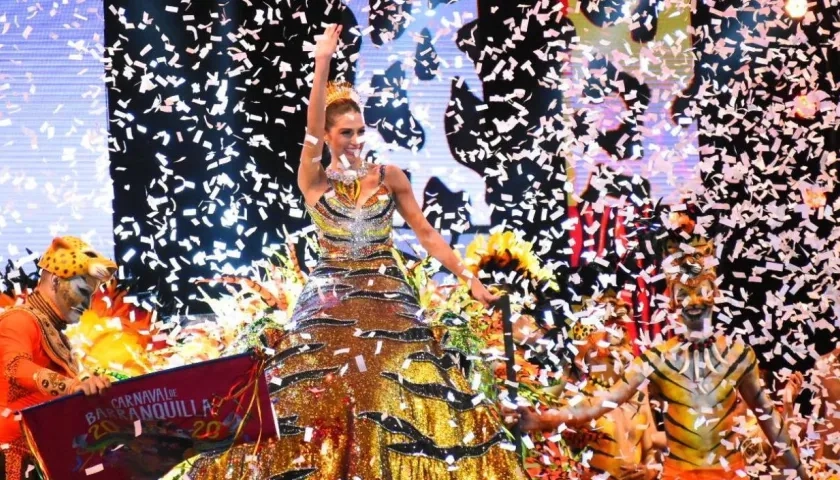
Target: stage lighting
{"x":796,"y":8}
{"x":814,"y":198}
{"x":804,"y":106}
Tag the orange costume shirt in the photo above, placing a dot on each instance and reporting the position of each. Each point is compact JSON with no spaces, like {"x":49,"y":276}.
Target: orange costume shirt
{"x":37,"y":366}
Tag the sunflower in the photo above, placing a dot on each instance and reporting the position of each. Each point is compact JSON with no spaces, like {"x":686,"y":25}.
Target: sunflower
{"x":504,"y":252}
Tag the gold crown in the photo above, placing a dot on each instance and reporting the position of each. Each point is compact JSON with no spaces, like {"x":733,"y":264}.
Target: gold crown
{"x":337,"y":91}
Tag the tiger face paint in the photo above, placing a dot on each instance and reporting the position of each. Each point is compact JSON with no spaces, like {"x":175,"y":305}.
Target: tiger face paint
{"x":693,"y":301}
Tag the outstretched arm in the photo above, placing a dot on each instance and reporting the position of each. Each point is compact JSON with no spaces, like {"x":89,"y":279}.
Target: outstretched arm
{"x":429,"y":238}
{"x":828,"y":414}
{"x":310,"y":173}
{"x":596,"y":406}
{"x":791,"y":392}
{"x":769,"y":420}
{"x":591,"y":407}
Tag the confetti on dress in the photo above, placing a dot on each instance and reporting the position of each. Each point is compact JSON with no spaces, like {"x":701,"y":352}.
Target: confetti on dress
{"x":577,"y":128}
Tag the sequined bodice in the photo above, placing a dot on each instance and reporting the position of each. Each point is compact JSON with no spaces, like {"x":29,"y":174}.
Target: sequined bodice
{"x":346,"y":230}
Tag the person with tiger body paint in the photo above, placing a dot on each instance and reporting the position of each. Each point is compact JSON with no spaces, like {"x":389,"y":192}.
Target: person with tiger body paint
{"x":697,"y":377}
{"x":756,"y":449}
{"x":622,"y":442}
{"x":37,"y":361}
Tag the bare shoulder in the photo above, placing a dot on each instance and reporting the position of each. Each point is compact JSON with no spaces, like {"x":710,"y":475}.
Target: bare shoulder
{"x":738,"y":354}
{"x":395,"y":178}
{"x":394,"y":172}
{"x":742,"y":360}
{"x":739,"y":348}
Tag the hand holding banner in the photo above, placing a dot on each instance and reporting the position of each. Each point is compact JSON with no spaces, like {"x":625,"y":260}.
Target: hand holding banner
{"x":142,"y":427}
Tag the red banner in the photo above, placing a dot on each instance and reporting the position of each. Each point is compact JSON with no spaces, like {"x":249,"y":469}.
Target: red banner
{"x":142,"y":427}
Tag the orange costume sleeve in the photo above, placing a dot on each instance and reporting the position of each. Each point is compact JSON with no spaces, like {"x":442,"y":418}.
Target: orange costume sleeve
{"x":25,"y":363}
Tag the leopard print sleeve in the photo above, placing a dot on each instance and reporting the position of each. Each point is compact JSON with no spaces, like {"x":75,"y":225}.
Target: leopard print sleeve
{"x":44,"y":380}
{"x":52,"y":383}
{"x":16,"y":389}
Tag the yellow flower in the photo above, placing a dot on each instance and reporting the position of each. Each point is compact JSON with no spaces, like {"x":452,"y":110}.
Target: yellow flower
{"x":105,"y":344}
{"x":501,"y":250}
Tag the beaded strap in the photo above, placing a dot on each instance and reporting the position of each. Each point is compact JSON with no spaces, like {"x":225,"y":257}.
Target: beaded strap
{"x":692,"y":346}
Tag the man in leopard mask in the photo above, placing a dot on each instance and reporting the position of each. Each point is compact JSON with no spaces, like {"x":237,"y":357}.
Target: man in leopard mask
{"x":37,"y":362}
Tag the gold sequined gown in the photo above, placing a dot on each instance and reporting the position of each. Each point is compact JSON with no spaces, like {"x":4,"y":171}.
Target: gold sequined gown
{"x":365,"y":391}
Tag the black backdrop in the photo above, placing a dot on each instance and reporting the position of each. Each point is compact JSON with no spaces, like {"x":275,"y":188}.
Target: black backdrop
{"x":245,"y":161}
{"x":242,"y":168}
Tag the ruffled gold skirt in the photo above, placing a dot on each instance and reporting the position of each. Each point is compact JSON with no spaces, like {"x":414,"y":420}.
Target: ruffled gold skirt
{"x":365,"y":392}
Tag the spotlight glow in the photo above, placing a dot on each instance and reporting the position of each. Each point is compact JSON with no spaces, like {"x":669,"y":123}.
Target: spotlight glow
{"x":804,"y":106}
{"x":814,"y":198}
{"x":796,"y":8}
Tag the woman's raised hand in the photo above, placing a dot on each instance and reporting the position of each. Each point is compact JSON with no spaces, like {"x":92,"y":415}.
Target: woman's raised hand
{"x":328,"y":42}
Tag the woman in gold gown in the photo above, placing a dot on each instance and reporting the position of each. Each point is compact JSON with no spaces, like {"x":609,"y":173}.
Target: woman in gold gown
{"x":365,"y":391}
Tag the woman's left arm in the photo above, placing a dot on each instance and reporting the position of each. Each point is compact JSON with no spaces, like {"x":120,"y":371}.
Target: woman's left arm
{"x":429,"y":238}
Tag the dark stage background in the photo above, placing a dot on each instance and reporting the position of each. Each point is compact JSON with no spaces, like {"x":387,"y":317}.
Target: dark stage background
{"x":204,"y":164}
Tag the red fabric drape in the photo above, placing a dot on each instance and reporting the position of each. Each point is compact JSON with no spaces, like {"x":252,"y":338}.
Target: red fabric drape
{"x":608,"y":237}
